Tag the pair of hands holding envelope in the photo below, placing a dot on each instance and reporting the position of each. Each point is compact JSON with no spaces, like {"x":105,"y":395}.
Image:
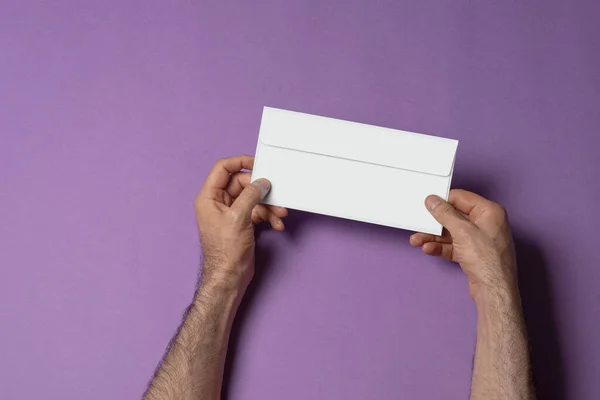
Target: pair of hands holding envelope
{"x":476,"y":235}
{"x":407,"y":169}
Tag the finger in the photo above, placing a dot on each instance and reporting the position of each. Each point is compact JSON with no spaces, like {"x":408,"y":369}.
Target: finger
{"x":250,"y":197}
{"x":261,"y":213}
{"x":237,"y":183}
{"x":444,"y":250}
{"x":472,"y":204}
{"x":467,"y":202}
{"x":419,"y":239}
{"x":219,"y":176}
{"x":279,"y":211}
{"x":445,"y":214}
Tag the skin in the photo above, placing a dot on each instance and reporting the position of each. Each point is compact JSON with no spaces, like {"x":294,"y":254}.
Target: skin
{"x":477,"y":236}
{"x":227,"y":208}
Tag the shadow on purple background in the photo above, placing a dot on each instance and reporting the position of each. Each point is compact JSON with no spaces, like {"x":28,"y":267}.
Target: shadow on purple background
{"x":539,"y":305}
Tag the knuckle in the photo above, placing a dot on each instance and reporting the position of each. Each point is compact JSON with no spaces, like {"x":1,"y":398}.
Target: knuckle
{"x":467,"y":229}
{"x":197,"y":202}
{"x":504,"y":213}
{"x":444,"y":211}
{"x":234,"y":215}
{"x":498,"y":210}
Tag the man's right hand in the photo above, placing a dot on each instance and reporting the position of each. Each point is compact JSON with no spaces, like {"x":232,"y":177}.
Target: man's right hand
{"x":227,"y":209}
{"x":477,"y":236}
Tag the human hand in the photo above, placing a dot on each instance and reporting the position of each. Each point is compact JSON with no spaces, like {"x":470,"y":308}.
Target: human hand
{"x":227,"y":208}
{"x":477,"y":236}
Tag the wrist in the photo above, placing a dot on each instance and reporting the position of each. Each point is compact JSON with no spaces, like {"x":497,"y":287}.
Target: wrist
{"x":218,"y":287}
{"x":220,"y":281}
{"x":219,"y":301}
{"x":493,"y":278}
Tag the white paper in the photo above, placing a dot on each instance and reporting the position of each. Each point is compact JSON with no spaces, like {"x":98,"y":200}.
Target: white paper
{"x":351,"y":170}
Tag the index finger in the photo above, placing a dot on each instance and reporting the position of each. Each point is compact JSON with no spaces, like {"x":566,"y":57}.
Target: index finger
{"x":467,"y":202}
{"x":219,"y":176}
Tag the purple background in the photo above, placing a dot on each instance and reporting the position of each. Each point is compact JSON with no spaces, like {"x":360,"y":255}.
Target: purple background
{"x":112,"y":113}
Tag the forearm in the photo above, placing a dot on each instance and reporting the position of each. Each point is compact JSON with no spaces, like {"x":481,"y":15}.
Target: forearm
{"x":194,"y":363}
{"x":502,"y":367}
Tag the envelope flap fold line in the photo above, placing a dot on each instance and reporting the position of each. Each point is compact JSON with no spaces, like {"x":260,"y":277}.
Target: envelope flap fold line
{"x":359,"y":142}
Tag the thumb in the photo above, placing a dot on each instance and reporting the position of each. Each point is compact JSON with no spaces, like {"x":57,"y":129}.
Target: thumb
{"x":444,"y":213}
{"x":251,"y":196}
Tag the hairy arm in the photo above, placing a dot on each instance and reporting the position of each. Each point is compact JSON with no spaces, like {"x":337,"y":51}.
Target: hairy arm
{"x":477,"y":236}
{"x":227,"y":209}
{"x":193,"y":365}
{"x":501,"y":368}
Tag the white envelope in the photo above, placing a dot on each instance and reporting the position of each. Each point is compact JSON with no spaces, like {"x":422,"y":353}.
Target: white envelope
{"x":352,"y":170}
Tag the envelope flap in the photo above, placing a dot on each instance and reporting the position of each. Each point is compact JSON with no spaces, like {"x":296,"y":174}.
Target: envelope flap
{"x":359,"y":142}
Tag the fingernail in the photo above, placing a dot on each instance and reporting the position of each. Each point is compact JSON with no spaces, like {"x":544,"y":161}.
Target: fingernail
{"x":264,"y":186}
{"x":432,"y":202}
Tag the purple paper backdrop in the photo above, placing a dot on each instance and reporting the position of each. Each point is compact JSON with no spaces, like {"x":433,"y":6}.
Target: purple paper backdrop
{"x":112,"y":113}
